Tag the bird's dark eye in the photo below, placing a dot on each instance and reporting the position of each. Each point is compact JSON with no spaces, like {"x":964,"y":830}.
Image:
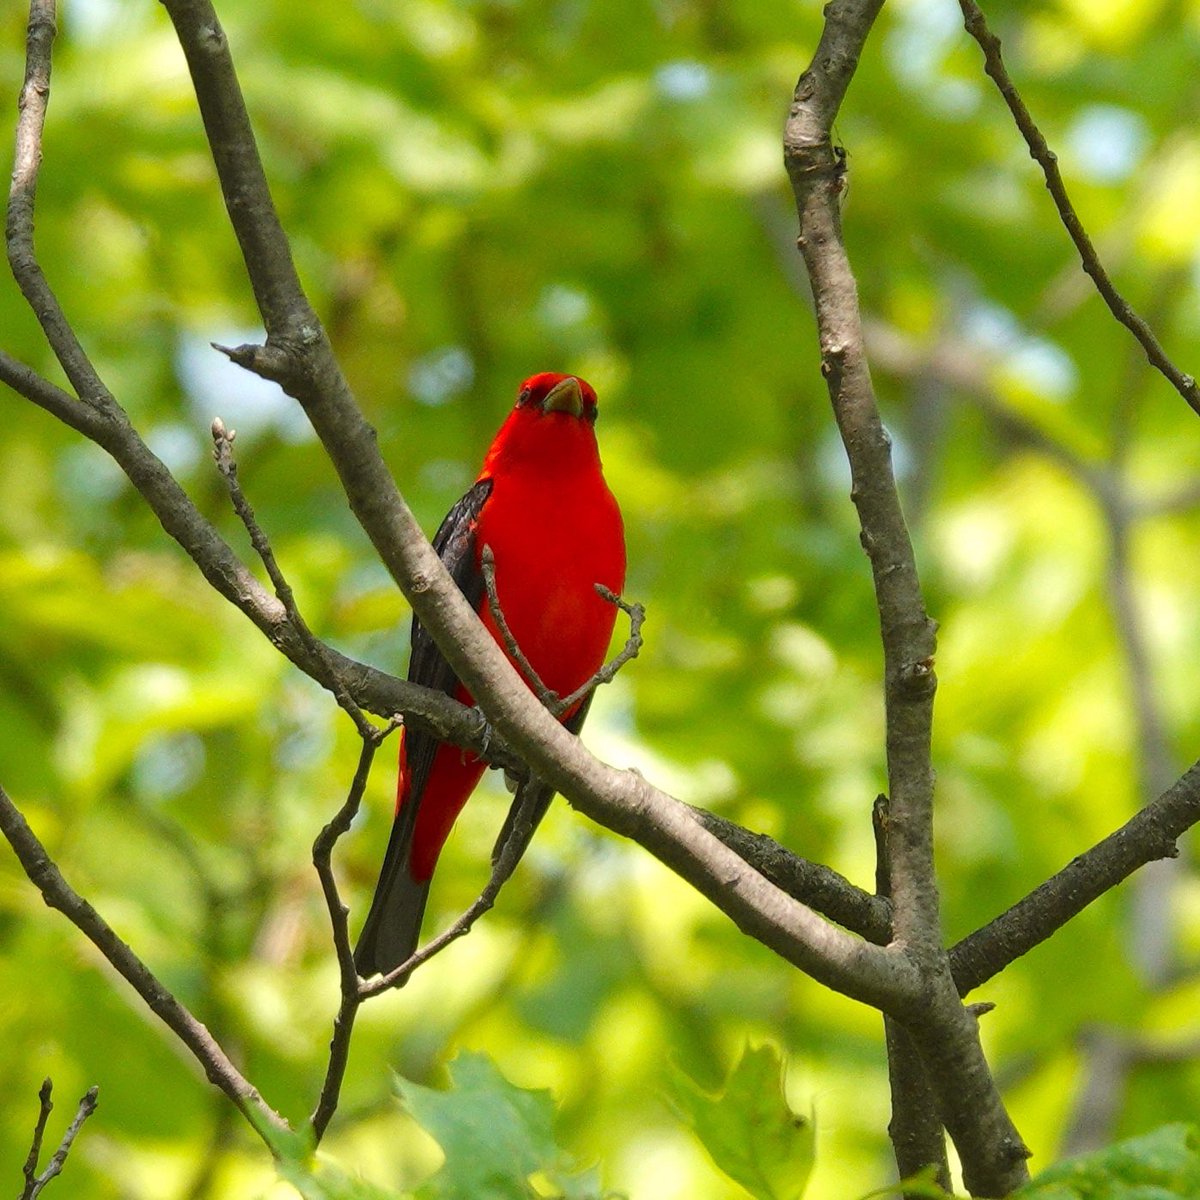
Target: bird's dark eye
{"x":525,"y":396}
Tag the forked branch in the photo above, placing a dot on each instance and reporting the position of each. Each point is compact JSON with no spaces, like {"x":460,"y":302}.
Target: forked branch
{"x":559,"y":705}
{"x":35,"y":1182}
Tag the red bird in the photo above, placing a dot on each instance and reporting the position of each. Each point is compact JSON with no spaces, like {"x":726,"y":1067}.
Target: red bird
{"x":542,"y":506}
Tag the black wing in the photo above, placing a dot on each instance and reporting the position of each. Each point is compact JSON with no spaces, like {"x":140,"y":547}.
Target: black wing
{"x":455,"y":546}
{"x":393,"y":925}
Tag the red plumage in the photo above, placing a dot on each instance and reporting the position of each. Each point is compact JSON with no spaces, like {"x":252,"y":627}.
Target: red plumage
{"x":555,"y":531}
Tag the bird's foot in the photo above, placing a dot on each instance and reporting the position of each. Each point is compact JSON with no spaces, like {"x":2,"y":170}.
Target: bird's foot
{"x":485,"y":733}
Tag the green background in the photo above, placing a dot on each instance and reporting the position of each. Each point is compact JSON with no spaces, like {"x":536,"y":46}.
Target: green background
{"x":477,"y":190}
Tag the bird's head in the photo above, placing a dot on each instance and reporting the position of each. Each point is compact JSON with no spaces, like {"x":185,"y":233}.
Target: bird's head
{"x":552,"y":423}
{"x":549,"y":392}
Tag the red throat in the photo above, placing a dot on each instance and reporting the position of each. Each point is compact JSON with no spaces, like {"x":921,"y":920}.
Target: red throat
{"x":553,"y":443}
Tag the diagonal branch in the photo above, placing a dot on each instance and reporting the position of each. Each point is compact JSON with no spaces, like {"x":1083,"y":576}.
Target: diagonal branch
{"x":59,"y":894}
{"x":223,"y":453}
{"x":1145,"y":837}
{"x":812,"y":883}
{"x":504,"y":864}
{"x":977,"y":26}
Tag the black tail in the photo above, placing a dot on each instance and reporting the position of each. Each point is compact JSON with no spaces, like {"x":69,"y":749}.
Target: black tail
{"x":393,"y":926}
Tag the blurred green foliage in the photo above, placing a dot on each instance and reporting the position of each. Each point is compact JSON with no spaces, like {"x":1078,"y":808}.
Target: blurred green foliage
{"x":478,"y":189}
{"x":1162,"y":1165}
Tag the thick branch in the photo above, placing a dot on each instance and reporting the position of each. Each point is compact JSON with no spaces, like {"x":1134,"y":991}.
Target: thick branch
{"x":915,"y":1130}
{"x":58,"y":894}
{"x":943,"y":1033}
{"x":977,"y":26}
{"x":812,"y":883}
{"x":816,"y":173}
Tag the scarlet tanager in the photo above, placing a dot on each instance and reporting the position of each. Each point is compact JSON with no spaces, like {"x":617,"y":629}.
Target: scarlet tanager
{"x":542,"y":506}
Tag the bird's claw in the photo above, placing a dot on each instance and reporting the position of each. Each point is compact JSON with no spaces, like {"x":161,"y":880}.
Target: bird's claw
{"x":485,"y":732}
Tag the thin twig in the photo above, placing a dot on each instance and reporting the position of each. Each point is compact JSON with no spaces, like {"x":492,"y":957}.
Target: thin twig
{"x":503,"y":866}
{"x":558,"y":705}
{"x":34,"y":1183}
{"x":227,"y":465}
{"x":633,"y":645}
{"x":350,"y":984}
{"x":977,"y":26}
{"x":549,"y":698}
{"x":39,"y":1131}
{"x":59,"y":894}
{"x":22,"y":199}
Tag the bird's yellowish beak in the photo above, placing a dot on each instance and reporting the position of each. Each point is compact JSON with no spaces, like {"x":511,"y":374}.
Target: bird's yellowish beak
{"x":565,"y":397}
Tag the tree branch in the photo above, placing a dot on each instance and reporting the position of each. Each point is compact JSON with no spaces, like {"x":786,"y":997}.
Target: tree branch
{"x":350,"y":984}
{"x":812,"y":883}
{"x":223,"y":453}
{"x":977,"y":26}
{"x":944,"y":1033}
{"x":58,"y":894}
{"x":1150,"y":834}
{"x":915,"y":1131}
{"x":560,"y":705}
{"x":34,"y":1183}
{"x":505,"y":863}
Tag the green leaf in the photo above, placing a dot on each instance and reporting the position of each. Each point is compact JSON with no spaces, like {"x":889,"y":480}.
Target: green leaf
{"x":749,"y":1130}
{"x":495,"y":1136}
{"x":1163,"y":1165}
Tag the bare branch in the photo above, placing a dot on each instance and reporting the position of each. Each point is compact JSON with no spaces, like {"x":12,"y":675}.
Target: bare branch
{"x":57,"y":893}
{"x":633,"y":645}
{"x":915,"y":1130}
{"x":487,"y":566}
{"x":34,"y":1183}
{"x":558,"y":705}
{"x":943,"y":1033}
{"x":504,"y":864}
{"x":223,"y":453}
{"x":22,"y":196}
{"x":1149,"y":835}
{"x":350,"y":984}
{"x":977,"y":26}
{"x":908,"y":634}
{"x":45,"y":1105}
{"x":812,"y":883}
